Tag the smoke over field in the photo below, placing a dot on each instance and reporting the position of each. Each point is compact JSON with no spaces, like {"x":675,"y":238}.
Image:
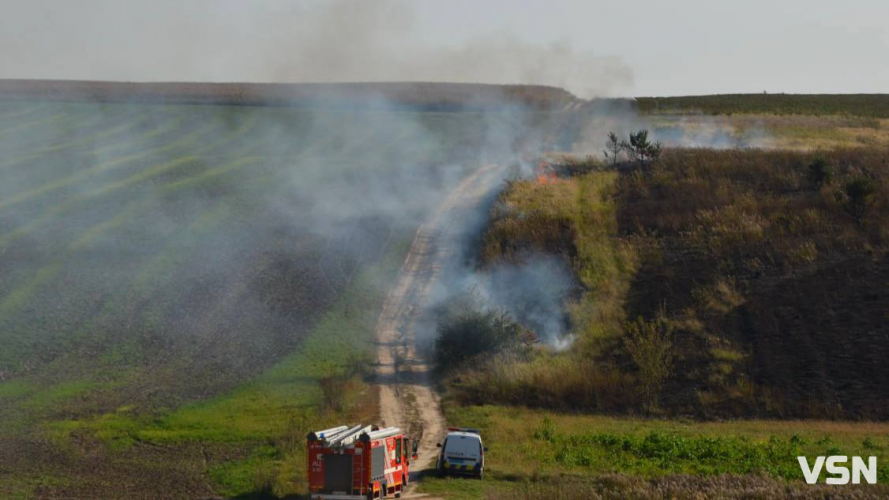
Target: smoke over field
{"x":157,"y":256}
{"x":274,"y":41}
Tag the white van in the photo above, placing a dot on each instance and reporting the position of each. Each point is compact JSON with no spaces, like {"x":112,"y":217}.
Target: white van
{"x":462,"y":453}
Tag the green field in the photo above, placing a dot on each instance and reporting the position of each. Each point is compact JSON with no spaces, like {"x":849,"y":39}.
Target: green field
{"x":537,"y":453}
{"x":186,"y":289}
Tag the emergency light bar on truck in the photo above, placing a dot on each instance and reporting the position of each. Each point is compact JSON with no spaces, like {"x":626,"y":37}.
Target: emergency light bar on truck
{"x":465,"y":429}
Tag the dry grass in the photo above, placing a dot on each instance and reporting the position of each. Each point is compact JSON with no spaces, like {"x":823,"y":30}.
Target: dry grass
{"x":867,"y":105}
{"x":770,"y":286}
{"x":786,"y":132}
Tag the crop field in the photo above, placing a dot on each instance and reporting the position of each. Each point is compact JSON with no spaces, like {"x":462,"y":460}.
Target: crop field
{"x":186,"y":289}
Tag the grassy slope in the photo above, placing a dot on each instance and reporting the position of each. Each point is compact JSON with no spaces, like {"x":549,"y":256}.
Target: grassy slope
{"x":726,"y":246}
{"x":535,"y":451}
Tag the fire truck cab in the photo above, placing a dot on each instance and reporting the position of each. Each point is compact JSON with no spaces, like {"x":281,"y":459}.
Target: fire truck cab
{"x":462,"y":453}
{"x":358,"y":462}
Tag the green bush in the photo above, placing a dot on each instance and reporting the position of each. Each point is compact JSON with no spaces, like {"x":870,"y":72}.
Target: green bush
{"x":821,"y":172}
{"x":466,"y":331}
{"x":860,"y":193}
{"x":649,"y":345}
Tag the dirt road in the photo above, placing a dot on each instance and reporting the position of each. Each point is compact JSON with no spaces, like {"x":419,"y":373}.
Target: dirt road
{"x":407,"y":398}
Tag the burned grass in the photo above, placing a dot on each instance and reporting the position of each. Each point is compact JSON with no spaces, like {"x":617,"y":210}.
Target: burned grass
{"x":766,"y":284}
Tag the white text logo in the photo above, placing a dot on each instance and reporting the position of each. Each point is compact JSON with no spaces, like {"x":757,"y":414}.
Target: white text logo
{"x":858,"y":469}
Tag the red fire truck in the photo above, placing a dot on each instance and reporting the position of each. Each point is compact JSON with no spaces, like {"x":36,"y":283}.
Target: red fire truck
{"x":358,"y":462}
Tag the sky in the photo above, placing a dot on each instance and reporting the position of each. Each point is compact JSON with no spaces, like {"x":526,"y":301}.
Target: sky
{"x":640,"y":48}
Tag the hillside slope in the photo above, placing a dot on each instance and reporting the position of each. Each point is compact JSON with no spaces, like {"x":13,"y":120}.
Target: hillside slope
{"x":765,"y":290}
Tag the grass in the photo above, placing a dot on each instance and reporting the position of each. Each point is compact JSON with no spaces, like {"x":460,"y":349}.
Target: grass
{"x":797,"y":132}
{"x":744,"y":260}
{"x":530,"y":448}
{"x":280,"y":406}
{"x":868,"y":105}
{"x":574,"y":218}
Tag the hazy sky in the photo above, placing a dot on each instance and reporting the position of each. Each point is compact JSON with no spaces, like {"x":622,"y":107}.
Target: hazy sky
{"x":645,"y":47}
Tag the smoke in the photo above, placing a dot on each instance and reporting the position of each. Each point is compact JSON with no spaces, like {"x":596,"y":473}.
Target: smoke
{"x":599,"y":117}
{"x":219,"y":235}
{"x":209,"y":239}
{"x":276,"y":41}
{"x":534,"y":293}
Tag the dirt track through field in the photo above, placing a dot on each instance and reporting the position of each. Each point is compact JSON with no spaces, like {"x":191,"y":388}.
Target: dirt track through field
{"x":407,"y":398}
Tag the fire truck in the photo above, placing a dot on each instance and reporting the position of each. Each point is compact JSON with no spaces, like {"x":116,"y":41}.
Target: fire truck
{"x":358,"y":462}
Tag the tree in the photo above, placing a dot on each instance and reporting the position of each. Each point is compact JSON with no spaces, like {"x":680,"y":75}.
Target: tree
{"x":821,"y":173}
{"x":860,"y":193}
{"x":613,"y":148}
{"x":649,"y":345}
{"x":640,"y":148}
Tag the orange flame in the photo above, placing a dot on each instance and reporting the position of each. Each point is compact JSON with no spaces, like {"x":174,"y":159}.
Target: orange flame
{"x":545,"y":173}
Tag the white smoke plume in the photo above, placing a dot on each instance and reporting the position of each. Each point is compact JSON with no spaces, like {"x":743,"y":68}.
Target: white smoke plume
{"x":278,"y":41}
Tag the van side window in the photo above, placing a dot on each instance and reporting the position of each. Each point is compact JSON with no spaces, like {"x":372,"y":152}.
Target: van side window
{"x":398,"y":451}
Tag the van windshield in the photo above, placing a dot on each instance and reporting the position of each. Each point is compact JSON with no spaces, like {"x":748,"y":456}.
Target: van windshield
{"x":462,"y":447}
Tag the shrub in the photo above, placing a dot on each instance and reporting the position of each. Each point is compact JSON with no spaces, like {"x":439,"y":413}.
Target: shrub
{"x":821,"y":172}
{"x":466,"y":331}
{"x":649,"y":345}
{"x":860,"y":193}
